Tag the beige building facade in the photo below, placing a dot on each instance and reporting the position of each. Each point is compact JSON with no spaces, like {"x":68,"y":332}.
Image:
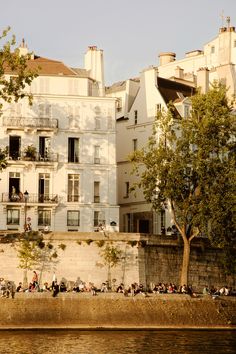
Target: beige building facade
{"x":61,"y":173}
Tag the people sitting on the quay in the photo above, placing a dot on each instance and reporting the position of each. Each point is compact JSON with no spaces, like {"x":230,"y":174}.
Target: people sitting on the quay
{"x":120,"y":288}
{"x":63,"y":287}
{"x":3,"y":287}
{"x":82,"y":287}
{"x":35,"y":280}
{"x":19,"y":288}
{"x":206,"y":291}
{"x":55,"y":288}
{"x":104,"y":288}
{"x":46,"y":287}
{"x":75,"y":288}
{"x":10,"y":290}
{"x":93,"y":290}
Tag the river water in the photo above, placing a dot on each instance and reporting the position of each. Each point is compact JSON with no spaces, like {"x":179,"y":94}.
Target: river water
{"x":117,"y":342}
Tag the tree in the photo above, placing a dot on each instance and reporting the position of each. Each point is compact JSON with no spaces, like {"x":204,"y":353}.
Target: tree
{"x":15,"y":76}
{"x":111,"y":256}
{"x":189,"y":168}
{"x":34,"y":253}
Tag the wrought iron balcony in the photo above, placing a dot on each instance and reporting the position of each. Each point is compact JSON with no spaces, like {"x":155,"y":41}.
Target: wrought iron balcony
{"x":45,"y":157}
{"x":31,"y":199}
{"x":20,"y":122}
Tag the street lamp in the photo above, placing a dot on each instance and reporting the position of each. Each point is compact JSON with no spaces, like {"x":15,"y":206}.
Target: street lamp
{"x":26,"y":196}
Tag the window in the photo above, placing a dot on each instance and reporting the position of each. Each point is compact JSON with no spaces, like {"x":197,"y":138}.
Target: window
{"x":73,"y":218}
{"x":73,"y":150}
{"x":119,"y":105}
{"x":96,"y":218}
{"x":135,"y":144}
{"x":186,"y":111}
{"x":13,"y":217}
{"x":14,"y":147}
{"x":96,"y":192}
{"x":96,"y":154}
{"x":14,"y":186}
{"x":126,"y":189}
{"x":97,"y":123}
{"x":44,"y":217}
{"x":73,"y":188}
{"x":158,"y":108}
{"x":99,"y":219}
{"x":44,"y":148}
{"x":213,"y":49}
{"x":44,"y":183}
{"x":135,"y":117}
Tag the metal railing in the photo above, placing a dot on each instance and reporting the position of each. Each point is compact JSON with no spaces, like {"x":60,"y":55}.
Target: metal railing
{"x":20,"y":156}
{"x":32,"y":198}
{"x":21,"y":122}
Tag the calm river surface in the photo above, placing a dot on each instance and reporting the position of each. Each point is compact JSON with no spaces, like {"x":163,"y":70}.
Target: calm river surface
{"x":117,"y":342}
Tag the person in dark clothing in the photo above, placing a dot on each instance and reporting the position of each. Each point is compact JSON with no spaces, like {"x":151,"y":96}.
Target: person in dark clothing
{"x":55,"y":289}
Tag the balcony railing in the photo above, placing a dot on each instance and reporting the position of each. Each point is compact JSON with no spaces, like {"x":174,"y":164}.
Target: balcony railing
{"x":20,"y":122}
{"x":31,"y":199}
{"x":20,"y":156}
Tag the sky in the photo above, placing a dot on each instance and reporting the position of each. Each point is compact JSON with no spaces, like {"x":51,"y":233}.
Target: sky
{"x":132,"y":33}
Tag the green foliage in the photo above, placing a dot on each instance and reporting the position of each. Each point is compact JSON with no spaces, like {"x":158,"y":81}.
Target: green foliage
{"x":132,"y":243}
{"x":35,"y":253}
{"x":111,"y":255}
{"x":62,"y":246}
{"x":88,"y":241}
{"x":11,"y":62}
{"x":3,"y":158}
{"x":30,"y":151}
{"x":189,"y":167}
{"x":100,"y":243}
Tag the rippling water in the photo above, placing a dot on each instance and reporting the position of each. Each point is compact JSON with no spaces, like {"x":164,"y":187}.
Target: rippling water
{"x":117,"y":342}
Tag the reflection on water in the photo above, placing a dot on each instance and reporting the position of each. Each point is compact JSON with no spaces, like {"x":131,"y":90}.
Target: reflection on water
{"x":117,"y":342}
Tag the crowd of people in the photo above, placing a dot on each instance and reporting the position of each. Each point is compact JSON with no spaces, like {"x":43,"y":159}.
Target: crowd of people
{"x":8,"y":288}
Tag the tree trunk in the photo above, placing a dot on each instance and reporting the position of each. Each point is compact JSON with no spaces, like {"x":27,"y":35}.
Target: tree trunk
{"x":185,"y":262}
{"x":25,"y":279}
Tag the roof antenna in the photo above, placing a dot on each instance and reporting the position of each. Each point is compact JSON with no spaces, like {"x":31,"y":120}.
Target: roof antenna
{"x":222,"y":17}
{"x":228,"y":21}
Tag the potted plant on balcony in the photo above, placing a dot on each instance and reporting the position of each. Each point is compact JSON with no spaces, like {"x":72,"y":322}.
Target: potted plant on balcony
{"x":30,"y":153}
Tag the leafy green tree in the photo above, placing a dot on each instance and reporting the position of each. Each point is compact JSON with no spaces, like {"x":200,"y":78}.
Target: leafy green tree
{"x":111,"y":256}
{"x":35,"y":253}
{"x":189,"y":168}
{"x":15,"y":75}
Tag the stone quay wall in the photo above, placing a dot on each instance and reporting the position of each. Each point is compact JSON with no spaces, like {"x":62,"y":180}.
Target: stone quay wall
{"x":144,"y":259}
{"x":114,"y":311}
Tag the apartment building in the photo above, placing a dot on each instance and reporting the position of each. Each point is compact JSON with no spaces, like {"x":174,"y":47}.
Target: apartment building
{"x":139,"y":100}
{"x":216,"y":61}
{"x":61,"y":173}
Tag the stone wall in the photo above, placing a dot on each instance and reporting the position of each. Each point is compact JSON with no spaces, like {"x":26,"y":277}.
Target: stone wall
{"x":114,"y":311}
{"x":144,"y":259}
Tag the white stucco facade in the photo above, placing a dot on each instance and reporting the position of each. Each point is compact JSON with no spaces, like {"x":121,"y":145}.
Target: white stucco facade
{"x":217,"y":55}
{"x":71,"y":179}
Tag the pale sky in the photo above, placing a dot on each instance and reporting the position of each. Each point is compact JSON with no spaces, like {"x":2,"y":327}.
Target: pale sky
{"x":131,"y":32}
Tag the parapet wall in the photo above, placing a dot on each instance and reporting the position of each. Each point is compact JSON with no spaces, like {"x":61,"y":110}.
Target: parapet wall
{"x":144,"y":259}
{"x":109,"y":311}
